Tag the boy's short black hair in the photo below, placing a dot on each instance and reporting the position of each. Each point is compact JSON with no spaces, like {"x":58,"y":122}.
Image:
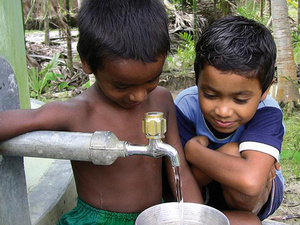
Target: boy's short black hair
{"x":240,"y":45}
{"x":129,"y":29}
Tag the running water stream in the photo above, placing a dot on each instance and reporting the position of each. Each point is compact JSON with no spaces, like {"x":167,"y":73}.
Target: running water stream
{"x":179,"y":197}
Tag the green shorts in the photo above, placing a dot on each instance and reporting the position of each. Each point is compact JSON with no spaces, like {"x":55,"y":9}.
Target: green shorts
{"x":84,"y":214}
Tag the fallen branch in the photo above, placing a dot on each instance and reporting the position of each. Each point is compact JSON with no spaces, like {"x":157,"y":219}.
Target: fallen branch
{"x":284,"y":218}
{"x":45,"y":57}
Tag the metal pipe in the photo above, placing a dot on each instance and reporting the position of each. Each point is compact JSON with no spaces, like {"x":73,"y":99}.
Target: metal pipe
{"x":101,"y":147}
{"x":49,"y":144}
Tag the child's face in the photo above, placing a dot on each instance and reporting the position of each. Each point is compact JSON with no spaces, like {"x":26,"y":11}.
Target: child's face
{"x":228,"y":100}
{"x":128,"y":82}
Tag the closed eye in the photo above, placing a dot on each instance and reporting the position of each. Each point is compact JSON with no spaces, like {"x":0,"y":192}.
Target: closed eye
{"x":209,"y":96}
{"x":121,"y":87}
{"x":241,"y":101}
{"x":154,"y":80}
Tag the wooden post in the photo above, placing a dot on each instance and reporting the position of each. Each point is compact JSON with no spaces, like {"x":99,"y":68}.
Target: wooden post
{"x":14,"y":208}
{"x":12,"y":45}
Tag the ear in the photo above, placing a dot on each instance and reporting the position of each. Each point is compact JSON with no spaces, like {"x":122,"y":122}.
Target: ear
{"x":85,"y":66}
{"x":264,"y":95}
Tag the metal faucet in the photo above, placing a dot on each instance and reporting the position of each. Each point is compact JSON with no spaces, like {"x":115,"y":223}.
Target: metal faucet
{"x":154,"y":126}
{"x":101,"y":147}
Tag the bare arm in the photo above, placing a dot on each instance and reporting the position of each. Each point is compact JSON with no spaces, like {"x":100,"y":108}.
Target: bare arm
{"x":52,"y":116}
{"x":247,"y":173}
{"x":238,"y":200}
{"x":201,"y":178}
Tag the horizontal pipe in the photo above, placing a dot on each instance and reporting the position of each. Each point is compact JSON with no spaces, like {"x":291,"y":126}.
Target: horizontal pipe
{"x":49,"y":144}
{"x":101,"y":147}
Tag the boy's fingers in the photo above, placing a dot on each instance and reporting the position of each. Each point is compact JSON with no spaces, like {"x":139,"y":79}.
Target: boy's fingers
{"x":272,"y":173}
{"x":277,"y":166}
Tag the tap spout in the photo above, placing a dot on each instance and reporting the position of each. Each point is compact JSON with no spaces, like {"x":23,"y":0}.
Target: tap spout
{"x":156,"y":148}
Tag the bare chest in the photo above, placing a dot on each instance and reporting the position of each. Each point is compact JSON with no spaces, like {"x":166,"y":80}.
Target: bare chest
{"x":126,"y":126}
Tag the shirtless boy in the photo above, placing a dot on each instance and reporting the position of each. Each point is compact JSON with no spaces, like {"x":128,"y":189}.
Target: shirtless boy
{"x":124,"y":44}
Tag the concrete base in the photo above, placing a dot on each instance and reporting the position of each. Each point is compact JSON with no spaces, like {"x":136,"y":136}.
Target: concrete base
{"x":54,"y":195}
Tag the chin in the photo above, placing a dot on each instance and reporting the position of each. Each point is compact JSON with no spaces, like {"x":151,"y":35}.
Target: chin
{"x":225,"y":130}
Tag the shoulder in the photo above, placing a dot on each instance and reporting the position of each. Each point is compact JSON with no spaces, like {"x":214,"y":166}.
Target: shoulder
{"x":265,"y":131}
{"x":268,"y":102}
{"x":161,"y":95}
{"x":268,"y":114}
{"x":268,"y":110}
{"x":187,"y":102}
{"x":62,"y":115}
{"x":161,"y":91}
{"x":73,"y":105}
{"x":187,"y":95}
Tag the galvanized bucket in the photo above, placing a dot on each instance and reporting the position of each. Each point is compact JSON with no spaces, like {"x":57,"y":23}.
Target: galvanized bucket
{"x":193,"y":214}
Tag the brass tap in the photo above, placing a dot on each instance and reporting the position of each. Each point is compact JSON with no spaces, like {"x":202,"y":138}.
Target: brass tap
{"x":154,"y":125}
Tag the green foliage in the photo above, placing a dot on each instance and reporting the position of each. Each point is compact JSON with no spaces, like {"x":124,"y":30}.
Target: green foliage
{"x":292,"y":3}
{"x":292,"y":8}
{"x":184,"y":57}
{"x":40,"y":81}
{"x":247,"y":10}
{"x":86,"y":85}
{"x":290,"y":147}
{"x":296,"y":44}
{"x":250,"y":11}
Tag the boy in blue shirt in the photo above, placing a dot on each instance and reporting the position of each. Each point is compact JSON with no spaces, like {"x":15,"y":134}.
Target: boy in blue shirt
{"x":230,"y":112}
{"x":124,"y":44}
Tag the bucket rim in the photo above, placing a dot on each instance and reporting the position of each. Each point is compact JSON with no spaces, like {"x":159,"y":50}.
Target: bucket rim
{"x":175,"y":204}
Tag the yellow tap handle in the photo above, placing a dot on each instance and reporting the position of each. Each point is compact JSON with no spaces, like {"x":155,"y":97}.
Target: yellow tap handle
{"x":154,"y":125}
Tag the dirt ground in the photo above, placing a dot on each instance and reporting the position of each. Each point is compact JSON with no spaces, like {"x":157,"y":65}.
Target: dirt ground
{"x":288,"y":212}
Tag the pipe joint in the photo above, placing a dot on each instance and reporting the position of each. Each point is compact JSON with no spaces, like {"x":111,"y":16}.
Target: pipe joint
{"x":105,"y":148}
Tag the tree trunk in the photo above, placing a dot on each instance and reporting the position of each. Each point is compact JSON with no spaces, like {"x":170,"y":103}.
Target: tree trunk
{"x":254,"y":6}
{"x":215,"y":9}
{"x":286,"y":67}
{"x":46,"y":22}
{"x":30,"y":11}
{"x":79,"y":3}
{"x":262,"y":8}
{"x":69,"y":38}
{"x":268,"y":6}
{"x":195,"y":22}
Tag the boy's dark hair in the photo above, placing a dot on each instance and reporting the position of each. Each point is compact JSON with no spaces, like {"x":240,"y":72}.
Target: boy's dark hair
{"x":129,"y":29}
{"x":239,"y":45}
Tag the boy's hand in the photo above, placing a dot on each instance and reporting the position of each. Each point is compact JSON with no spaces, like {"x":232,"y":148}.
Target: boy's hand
{"x":277,"y":165}
{"x":201,"y":178}
{"x":272,"y":174}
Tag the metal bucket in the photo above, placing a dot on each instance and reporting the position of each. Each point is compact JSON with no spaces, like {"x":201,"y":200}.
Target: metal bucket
{"x":193,"y":214}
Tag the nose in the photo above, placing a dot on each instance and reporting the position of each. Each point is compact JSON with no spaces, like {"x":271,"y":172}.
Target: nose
{"x":138,"y":94}
{"x":223,"y":109}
